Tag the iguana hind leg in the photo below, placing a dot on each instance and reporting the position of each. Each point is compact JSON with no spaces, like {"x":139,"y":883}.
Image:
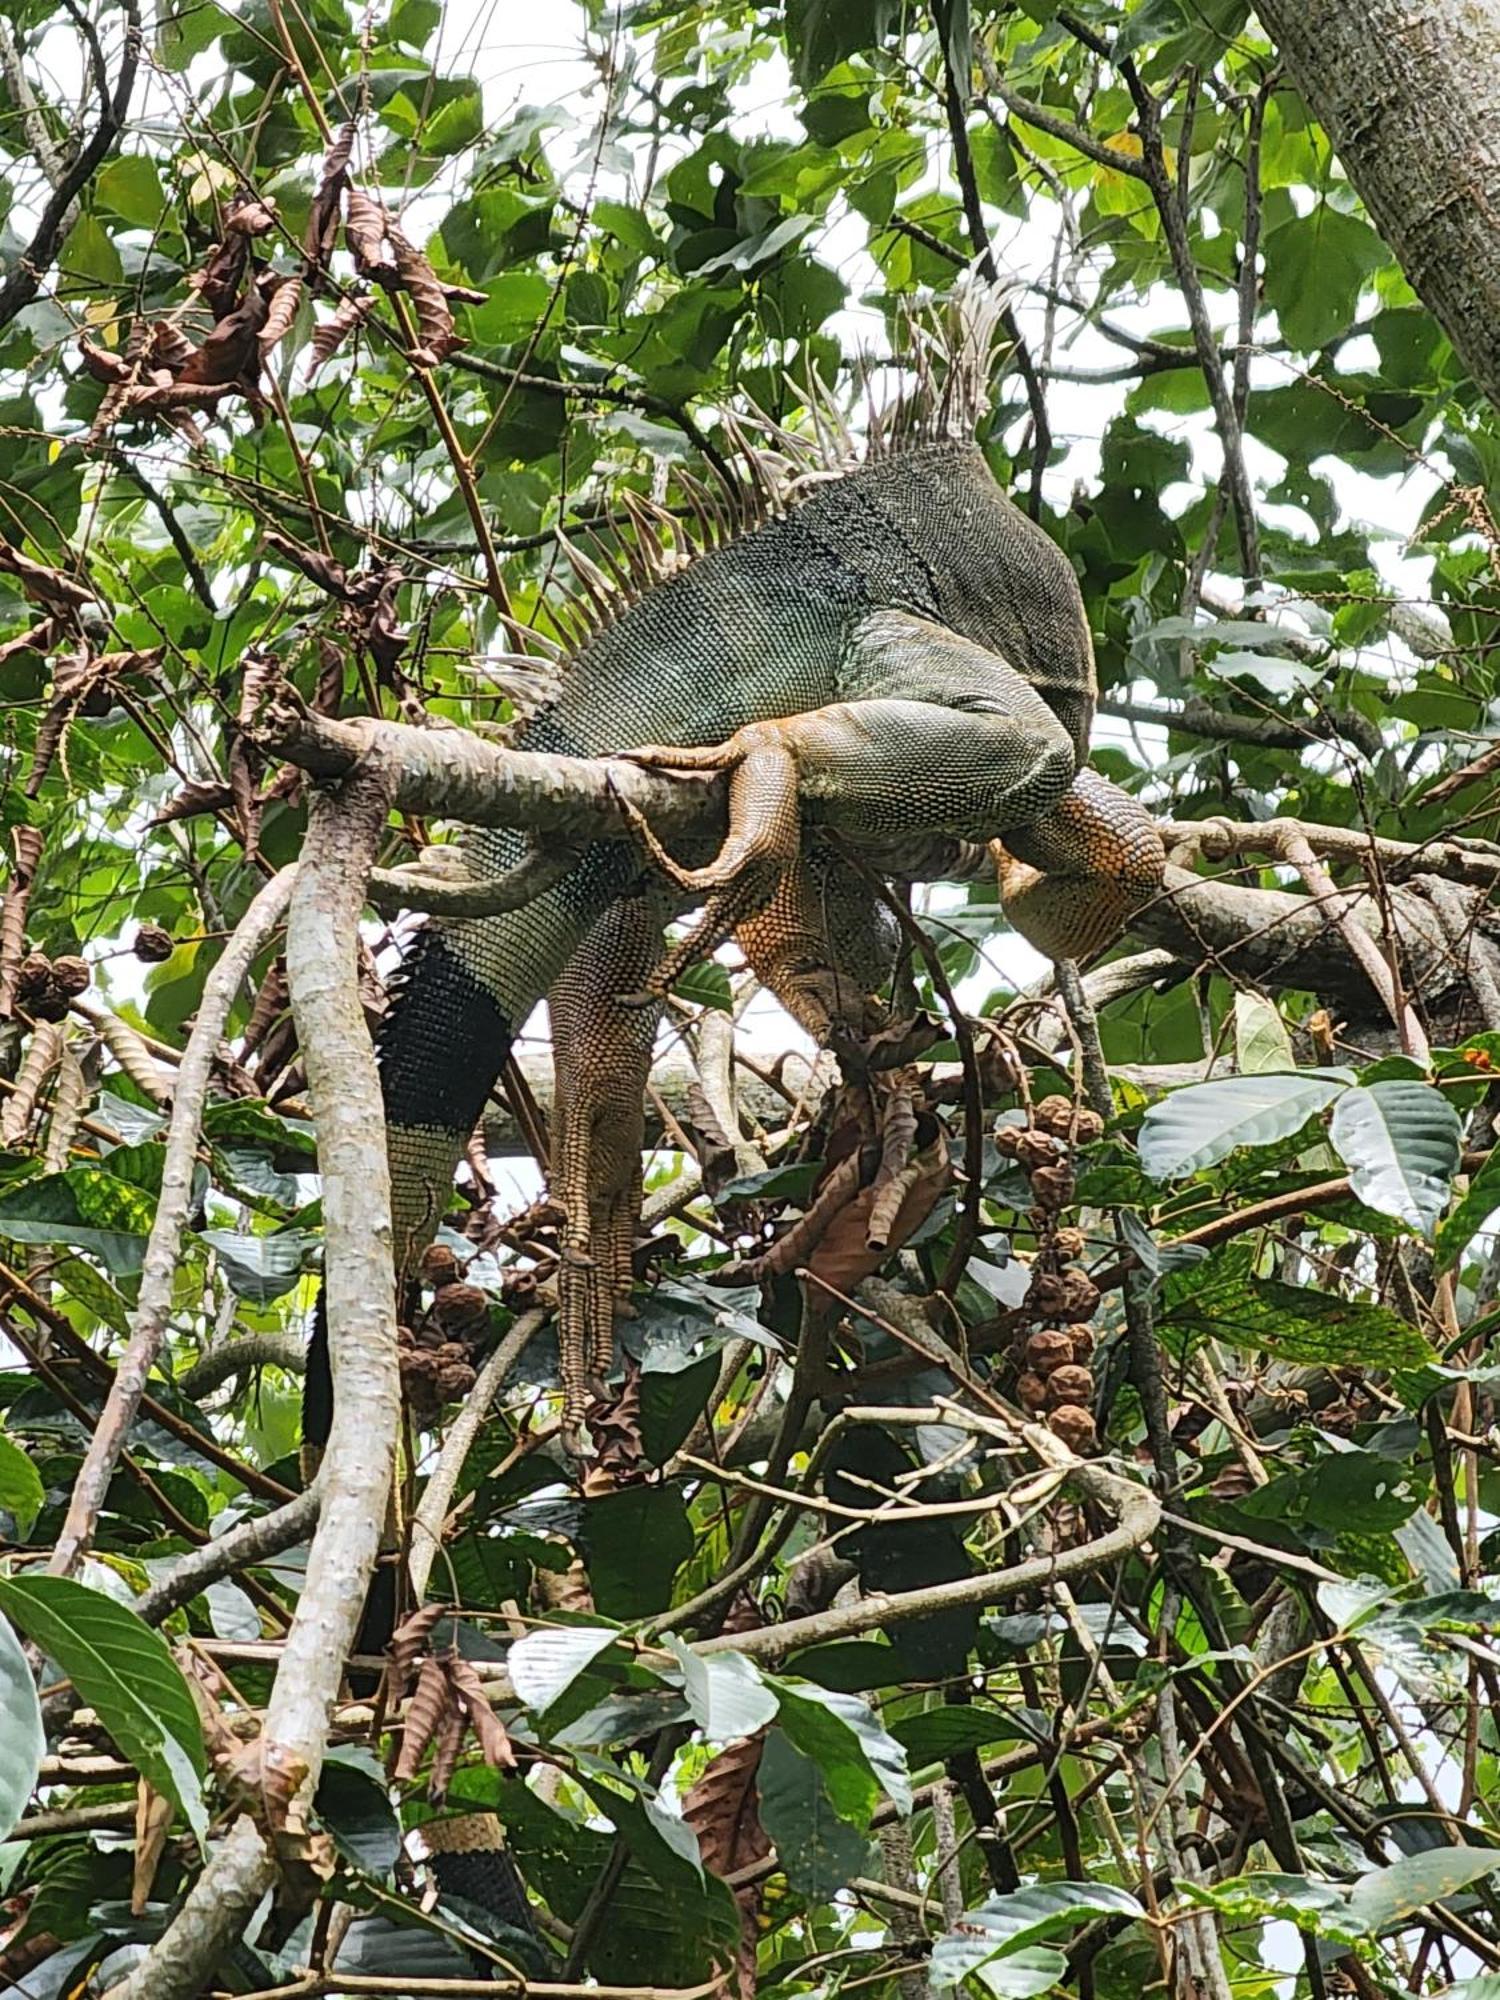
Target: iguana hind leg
{"x":1072,"y":880}
{"x":823,"y":945}
{"x":602,"y":1057}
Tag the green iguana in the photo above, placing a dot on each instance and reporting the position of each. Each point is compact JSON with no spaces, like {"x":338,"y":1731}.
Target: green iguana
{"x":892,"y":652}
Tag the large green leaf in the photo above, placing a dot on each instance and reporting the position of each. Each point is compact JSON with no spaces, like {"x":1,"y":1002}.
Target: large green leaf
{"x":818,"y":1848}
{"x":1479,"y":1201}
{"x":261,"y":1268}
{"x":20,"y":1486}
{"x":88,"y":1209}
{"x":1005,"y":1926}
{"x":727,"y":1695}
{"x":1193,"y":1127}
{"x":545,"y":1664}
{"x":860,"y":1761}
{"x":1380,"y":1900}
{"x":634,"y":1542}
{"x":125,"y":1672}
{"x":1289,"y":1322}
{"x":1401,"y":1142}
{"x":23,"y":1741}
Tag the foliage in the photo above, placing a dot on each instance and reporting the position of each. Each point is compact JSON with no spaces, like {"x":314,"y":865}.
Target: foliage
{"x":347,"y":359}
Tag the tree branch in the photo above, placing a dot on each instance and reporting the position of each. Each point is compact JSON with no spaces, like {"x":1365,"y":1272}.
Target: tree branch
{"x":24,"y":281}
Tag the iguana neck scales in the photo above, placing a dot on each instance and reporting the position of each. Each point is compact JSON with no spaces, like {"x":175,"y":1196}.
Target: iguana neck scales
{"x":901,"y":651}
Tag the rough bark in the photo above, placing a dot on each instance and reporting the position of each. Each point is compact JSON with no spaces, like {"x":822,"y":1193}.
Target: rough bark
{"x":1409,"y":93}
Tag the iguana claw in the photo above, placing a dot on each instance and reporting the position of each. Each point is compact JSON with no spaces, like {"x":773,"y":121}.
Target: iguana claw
{"x":761,"y":844}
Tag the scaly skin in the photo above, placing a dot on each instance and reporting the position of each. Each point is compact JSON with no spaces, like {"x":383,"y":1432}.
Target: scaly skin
{"x":902,"y":654}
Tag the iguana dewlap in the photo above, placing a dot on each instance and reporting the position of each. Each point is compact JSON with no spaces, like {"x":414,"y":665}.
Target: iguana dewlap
{"x":900,"y":651}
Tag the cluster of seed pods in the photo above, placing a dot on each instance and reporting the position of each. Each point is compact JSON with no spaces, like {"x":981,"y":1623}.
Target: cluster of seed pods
{"x":1055,"y":1344}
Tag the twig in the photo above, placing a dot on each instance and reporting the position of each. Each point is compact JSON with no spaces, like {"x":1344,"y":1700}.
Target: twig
{"x":159,"y":1270}
{"x":432,"y":1511}
{"x":25,"y":278}
{"x":239,"y":1547}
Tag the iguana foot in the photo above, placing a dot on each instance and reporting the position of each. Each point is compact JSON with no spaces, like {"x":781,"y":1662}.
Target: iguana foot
{"x":761,"y":844}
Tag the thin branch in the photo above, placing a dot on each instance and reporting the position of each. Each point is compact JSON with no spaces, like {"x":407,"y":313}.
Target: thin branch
{"x":163,"y":1247}
{"x":240,"y":1547}
{"x":25,"y":279}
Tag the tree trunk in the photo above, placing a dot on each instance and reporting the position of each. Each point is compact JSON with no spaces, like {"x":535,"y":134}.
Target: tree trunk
{"x":1409,"y":93}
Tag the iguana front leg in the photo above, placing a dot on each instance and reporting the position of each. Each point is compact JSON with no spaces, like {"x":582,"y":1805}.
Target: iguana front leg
{"x":602,"y":1057}
{"x":1072,"y":880}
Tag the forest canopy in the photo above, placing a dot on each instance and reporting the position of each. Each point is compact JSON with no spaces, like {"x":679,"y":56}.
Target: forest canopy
{"x":1041,"y":1539}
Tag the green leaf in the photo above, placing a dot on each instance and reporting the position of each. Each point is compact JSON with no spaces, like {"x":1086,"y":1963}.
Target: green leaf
{"x":353,"y":1803}
{"x":87,"y":1208}
{"x":1475,"y":1206}
{"x":819,"y":1850}
{"x":1203,"y":1122}
{"x":1289,"y":1322}
{"x":858,"y":1758}
{"x":1380,"y":1900}
{"x":821,"y":33}
{"x":1012,"y":1924}
{"x":634,"y":1542}
{"x":544,"y":1665}
{"x":130,"y":188}
{"x":1401,"y":1142}
{"x":23,"y":1741}
{"x":20,"y":1486}
{"x":1262,"y":1045}
{"x":262,"y":1268}
{"x":790,"y":1183}
{"x":727,"y":1695}
{"x":1315,"y":267}
{"x":125,"y":1671}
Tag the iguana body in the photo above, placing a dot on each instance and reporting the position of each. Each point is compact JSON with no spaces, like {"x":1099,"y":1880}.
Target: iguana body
{"x":901,"y":652}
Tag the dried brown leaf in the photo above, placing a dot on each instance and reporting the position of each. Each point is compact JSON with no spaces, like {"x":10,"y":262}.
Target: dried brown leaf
{"x":328,"y":338}
{"x":323,"y":215}
{"x":284,"y":301}
{"x":365,"y":226}
{"x":489,"y":1731}
{"x":27,"y":842}
{"x":70,"y":1096}
{"x":53,"y":589}
{"x":153,"y":1822}
{"x":43,"y":1052}
{"x":193,"y":799}
{"x":446,"y":1746}
{"x":318,"y":568}
{"x":409,"y":1640}
{"x":230,"y":354}
{"x":430,"y":1707}
{"x":103,"y":363}
{"x":723,"y":1809}
{"x":435,"y":325}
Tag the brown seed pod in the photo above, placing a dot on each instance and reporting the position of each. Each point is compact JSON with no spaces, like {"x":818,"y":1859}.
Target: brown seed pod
{"x":1048,"y":1348}
{"x":1047,"y":1295}
{"x":152,"y":945}
{"x":1090,"y":1126}
{"x":1068,"y":1242}
{"x":1031,"y":1391}
{"x":1052,"y":1187}
{"x":1008,"y":1140}
{"x":1055,"y":1114}
{"x":460,"y":1308}
{"x":1035,"y":1149}
{"x":1081,"y":1339}
{"x":439,"y":1266}
{"x":1074,"y":1425}
{"x":1070,"y":1384}
{"x":1081,"y":1295}
{"x":72,"y":974}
